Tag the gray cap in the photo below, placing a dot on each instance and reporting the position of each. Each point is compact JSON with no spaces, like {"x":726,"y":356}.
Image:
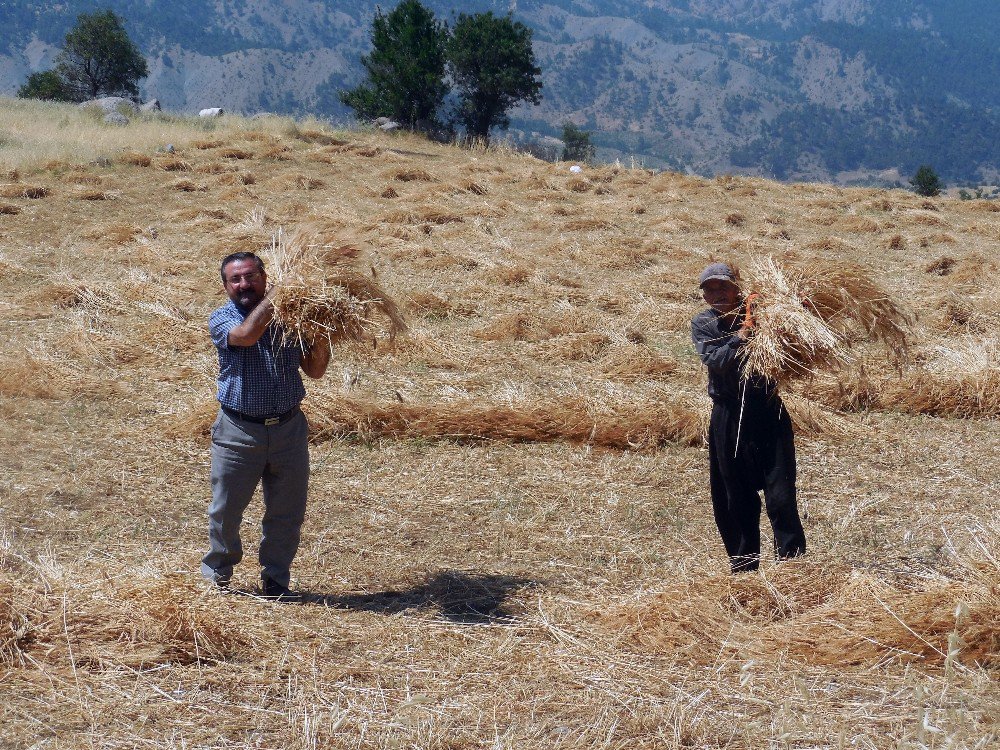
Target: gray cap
{"x":719,"y":271}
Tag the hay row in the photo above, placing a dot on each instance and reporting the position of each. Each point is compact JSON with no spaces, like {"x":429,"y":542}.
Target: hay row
{"x":167,"y":622}
{"x":820,"y":614}
{"x":572,"y":420}
{"x":959,"y":382}
{"x":641,"y":426}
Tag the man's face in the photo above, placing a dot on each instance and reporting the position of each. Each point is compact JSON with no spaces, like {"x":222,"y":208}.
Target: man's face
{"x":245,"y":283}
{"x":722,"y":296}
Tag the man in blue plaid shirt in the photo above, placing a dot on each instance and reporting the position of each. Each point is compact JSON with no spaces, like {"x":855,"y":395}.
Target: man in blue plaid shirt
{"x":260,"y":435}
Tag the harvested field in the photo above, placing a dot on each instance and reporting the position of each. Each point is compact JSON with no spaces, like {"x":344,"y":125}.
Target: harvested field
{"x":509,"y":542}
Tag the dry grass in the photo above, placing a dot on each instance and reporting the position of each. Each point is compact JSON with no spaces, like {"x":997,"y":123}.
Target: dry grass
{"x":509,"y":541}
{"x":20,"y":190}
{"x":320,"y":298}
{"x":824,"y":615}
{"x":235,"y":153}
{"x":135,"y":159}
{"x":46,"y":132}
{"x":637,"y":427}
{"x":808,"y":319}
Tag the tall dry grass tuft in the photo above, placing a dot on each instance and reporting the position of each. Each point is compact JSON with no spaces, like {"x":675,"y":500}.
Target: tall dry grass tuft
{"x":319,"y":298}
{"x":809,"y":318}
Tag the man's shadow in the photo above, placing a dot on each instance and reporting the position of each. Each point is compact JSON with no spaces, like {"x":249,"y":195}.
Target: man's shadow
{"x":469,"y":598}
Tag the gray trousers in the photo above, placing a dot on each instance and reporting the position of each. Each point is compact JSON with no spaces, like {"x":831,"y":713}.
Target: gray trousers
{"x":243,"y":455}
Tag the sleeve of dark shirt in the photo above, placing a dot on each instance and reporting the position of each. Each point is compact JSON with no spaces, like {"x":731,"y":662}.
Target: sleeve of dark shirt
{"x":718,"y":349}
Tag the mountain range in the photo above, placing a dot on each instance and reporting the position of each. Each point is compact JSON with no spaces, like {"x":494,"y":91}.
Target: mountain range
{"x":849,"y":91}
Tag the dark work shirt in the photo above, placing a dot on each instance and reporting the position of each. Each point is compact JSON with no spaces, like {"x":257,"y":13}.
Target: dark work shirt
{"x":262,"y":380}
{"x":719,"y":347}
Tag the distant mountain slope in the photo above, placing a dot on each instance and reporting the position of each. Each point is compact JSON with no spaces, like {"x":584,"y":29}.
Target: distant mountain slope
{"x":796,"y":89}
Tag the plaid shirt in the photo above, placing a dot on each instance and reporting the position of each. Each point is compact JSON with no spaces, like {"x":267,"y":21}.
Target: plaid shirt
{"x":262,"y":380}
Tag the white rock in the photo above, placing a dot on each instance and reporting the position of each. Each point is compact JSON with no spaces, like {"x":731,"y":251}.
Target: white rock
{"x":576,"y":169}
{"x":110,"y":104}
{"x":115,"y":118}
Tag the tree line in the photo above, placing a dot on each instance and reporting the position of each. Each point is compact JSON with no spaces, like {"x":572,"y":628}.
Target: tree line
{"x":431,"y":77}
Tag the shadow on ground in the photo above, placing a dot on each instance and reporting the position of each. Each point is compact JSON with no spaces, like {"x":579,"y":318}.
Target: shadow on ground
{"x":470,"y":598}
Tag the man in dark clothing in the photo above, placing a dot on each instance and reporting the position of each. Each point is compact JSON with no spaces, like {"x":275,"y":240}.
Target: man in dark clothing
{"x":750,"y":443}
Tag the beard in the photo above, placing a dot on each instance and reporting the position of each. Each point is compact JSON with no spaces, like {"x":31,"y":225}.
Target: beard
{"x":249,"y":299}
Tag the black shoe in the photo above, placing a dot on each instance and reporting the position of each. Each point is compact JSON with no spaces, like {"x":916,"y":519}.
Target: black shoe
{"x":278,"y":593}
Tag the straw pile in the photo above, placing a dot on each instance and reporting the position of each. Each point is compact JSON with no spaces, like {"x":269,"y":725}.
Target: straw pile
{"x":822,"y":614}
{"x":808,"y":319}
{"x":961,"y":381}
{"x":320,"y":298}
{"x":572,"y":420}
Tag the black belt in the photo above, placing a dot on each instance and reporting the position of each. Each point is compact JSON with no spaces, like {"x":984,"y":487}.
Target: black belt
{"x":268,"y":421}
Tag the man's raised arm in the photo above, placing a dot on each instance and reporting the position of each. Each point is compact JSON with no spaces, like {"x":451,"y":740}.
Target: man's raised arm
{"x":253,"y":326}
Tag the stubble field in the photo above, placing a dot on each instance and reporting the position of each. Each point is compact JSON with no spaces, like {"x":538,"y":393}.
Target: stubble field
{"x":509,"y":541}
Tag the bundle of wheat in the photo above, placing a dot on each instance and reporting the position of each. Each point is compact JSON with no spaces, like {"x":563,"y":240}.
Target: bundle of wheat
{"x":318,"y":297}
{"x":808,"y":318}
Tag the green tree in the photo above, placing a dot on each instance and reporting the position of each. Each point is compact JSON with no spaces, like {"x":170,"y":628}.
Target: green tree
{"x":492,"y":63}
{"x":577,"y":145}
{"x":406,"y":67}
{"x":99,"y":59}
{"x":47,"y":85}
{"x":926,"y":182}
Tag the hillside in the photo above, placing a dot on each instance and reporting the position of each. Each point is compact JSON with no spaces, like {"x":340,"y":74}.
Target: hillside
{"x":509,"y":541}
{"x":832,"y":90}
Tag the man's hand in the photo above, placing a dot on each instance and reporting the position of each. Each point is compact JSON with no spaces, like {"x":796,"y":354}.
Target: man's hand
{"x":316,"y":360}
{"x":748,"y":320}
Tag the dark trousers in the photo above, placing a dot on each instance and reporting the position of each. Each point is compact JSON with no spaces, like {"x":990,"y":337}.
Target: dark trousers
{"x":746,"y":456}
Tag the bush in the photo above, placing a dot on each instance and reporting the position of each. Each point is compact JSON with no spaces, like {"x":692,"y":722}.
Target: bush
{"x":47,"y":86}
{"x":926,"y":182}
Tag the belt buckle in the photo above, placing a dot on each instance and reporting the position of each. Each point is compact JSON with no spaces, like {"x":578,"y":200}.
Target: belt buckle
{"x":272,"y":421}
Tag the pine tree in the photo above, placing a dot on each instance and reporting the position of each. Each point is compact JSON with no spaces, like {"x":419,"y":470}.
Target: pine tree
{"x":406,"y":68}
{"x":926,"y":182}
{"x":577,"y":143}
